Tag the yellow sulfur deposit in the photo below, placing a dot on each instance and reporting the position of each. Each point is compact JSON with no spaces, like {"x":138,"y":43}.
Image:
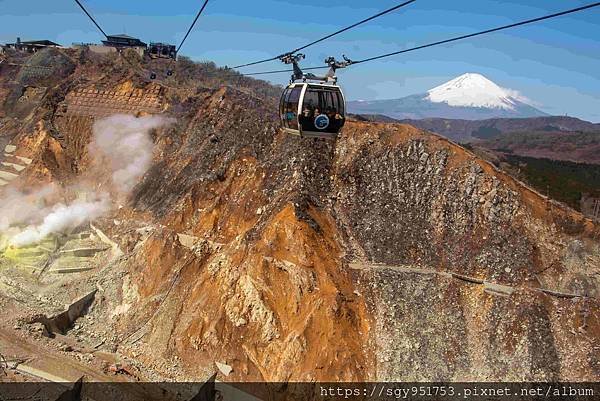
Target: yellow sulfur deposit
{"x":55,"y":254}
{"x":31,"y":257}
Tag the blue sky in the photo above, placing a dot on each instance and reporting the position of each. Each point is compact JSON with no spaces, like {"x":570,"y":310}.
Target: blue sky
{"x":555,"y":63}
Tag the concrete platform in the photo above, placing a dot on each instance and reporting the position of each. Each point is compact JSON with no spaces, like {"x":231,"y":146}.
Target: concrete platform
{"x":16,"y":159}
{"x":70,"y":264}
{"x":14,"y":166}
{"x":82,"y":245}
{"x":7,"y":176}
{"x":69,"y":270}
{"x":83,"y":235}
{"x":78,"y":254}
{"x":31,"y":265}
{"x":84,"y":252}
{"x":25,"y":160}
{"x":187,"y":240}
{"x":41,"y":374}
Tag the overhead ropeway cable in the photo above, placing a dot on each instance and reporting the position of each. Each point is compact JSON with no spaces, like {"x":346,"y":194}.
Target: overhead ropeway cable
{"x":91,"y":18}
{"x":280,"y":71}
{"x":389,"y":10}
{"x":500,"y":28}
{"x":193,"y":23}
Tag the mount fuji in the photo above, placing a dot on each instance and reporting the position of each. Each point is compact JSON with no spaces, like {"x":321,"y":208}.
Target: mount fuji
{"x":470,"y":97}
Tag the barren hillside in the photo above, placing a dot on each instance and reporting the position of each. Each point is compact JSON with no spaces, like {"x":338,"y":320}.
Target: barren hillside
{"x":391,"y":254}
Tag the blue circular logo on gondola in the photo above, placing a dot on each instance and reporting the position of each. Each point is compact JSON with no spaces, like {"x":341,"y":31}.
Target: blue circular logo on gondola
{"x":321,"y":121}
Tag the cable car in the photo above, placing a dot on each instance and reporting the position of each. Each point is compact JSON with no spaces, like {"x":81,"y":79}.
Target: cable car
{"x":312,"y":106}
{"x":162,"y":50}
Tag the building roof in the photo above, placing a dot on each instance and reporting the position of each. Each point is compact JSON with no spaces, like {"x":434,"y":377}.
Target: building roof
{"x":121,"y":35}
{"x":37,"y":42}
{"x":122,"y":40}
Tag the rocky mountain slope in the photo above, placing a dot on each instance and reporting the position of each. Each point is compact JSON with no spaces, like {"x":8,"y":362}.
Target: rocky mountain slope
{"x":470,"y":96}
{"x":391,"y":254}
{"x":472,"y":131}
{"x":583,"y":147}
{"x":465,"y":131}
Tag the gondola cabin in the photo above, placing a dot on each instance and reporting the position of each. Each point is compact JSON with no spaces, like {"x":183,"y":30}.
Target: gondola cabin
{"x":313,"y":110}
{"x":162,"y":50}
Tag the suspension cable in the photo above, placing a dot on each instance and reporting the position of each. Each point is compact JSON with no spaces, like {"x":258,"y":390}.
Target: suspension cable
{"x":500,"y":28}
{"x":193,"y":23}
{"x":92,"y":18}
{"x":529,"y":21}
{"x":389,"y":10}
{"x":279,"y":71}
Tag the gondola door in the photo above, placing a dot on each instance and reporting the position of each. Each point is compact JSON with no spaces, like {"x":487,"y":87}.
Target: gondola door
{"x":289,"y":107}
{"x":323,"y":111}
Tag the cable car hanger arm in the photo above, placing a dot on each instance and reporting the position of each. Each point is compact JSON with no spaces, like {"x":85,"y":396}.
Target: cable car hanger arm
{"x":333,"y":64}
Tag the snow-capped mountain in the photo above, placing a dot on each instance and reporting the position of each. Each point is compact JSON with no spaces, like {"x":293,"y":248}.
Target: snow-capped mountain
{"x":470,"y":96}
{"x":472,"y":90}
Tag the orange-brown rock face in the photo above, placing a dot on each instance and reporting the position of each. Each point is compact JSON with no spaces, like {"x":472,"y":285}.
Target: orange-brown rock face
{"x":279,"y":309}
{"x":391,"y":254}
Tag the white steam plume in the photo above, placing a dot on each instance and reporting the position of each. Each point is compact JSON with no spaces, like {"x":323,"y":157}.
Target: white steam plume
{"x":25,"y":207}
{"x":124,"y":142}
{"x":61,"y":218}
{"x":120,"y":143}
